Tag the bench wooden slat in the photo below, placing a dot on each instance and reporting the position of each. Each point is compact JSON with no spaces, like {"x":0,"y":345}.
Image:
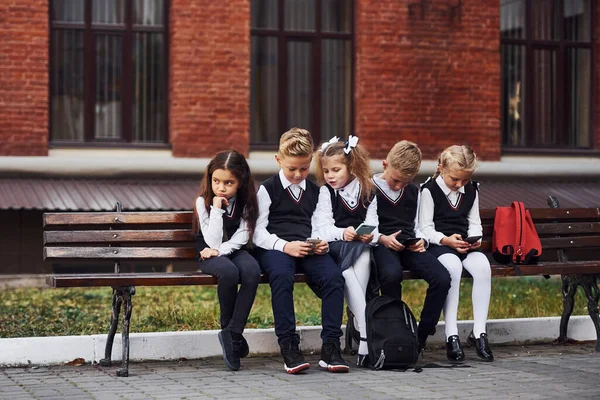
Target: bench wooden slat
{"x":107,"y":218}
{"x":119,"y":253}
{"x":571,"y":242}
{"x":118,"y":236}
{"x":137,"y":279}
{"x":568,"y":228}
{"x":551,"y":214}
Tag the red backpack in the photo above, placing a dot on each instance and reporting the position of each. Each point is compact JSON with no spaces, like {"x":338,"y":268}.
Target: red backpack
{"x":515,"y":239}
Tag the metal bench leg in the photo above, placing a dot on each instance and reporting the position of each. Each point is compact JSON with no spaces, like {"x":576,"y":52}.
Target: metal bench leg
{"x":114,"y":321}
{"x":593,"y":295}
{"x":127,"y":306}
{"x":568,"y":292}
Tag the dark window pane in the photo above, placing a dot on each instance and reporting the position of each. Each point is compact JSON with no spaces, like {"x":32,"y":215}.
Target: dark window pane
{"x":148,"y":12}
{"x":68,"y":11}
{"x":543,"y":19}
{"x":264,"y":103}
{"x":512,"y":19}
{"x":108,"y":11}
{"x":577,"y":84}
{"x":148,"y":115}
{"x":336,"y":84}
{"x":513,"y":95}
{"x":299,"y":85}
{"x":67,"y":105}
{"x":577,"y":20}
{"x":299,"y":15}
{"x":263,"y":14}
{"x":108,"y":87}
{"x":544,"y":97}
{"x":336,"y":15}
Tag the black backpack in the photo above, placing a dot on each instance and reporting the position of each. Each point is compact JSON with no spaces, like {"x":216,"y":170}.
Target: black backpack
{"x":391,"y":334}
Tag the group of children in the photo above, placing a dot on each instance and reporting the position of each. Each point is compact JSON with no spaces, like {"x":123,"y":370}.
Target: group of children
{"x":291,"y":223}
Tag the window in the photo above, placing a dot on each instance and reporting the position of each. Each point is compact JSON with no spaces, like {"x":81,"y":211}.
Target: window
{"x":301,"y":68}
{"x":546,"y":56}
{"x":108,"y":75}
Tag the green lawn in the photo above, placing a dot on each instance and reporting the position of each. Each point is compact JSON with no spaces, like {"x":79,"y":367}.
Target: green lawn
{"x":55,"y":312}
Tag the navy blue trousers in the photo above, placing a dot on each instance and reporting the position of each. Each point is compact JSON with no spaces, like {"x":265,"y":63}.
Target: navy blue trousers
{"x":390,"y":265}
{"x":322,"y":271}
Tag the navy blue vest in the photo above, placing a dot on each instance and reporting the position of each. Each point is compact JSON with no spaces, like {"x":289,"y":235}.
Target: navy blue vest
{"x":231,"y":223}
{"x":447,"y":218}
{"x":290,"y":218}
{"x":400,"y":214}
{"x":345,"y":214}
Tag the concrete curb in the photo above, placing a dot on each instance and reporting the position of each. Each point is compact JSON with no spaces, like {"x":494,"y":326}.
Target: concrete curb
{"x":199,"y":344}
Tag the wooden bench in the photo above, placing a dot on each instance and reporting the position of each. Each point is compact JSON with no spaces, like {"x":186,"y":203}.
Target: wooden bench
{"x":117,"y":237}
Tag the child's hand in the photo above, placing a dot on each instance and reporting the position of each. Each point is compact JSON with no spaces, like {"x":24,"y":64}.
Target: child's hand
{"x":366,"y":238}
{"x":321,"y":248}
{"x":455,"y":241}
{"x":297,"y":249}
{"x":418,"y":247}
{"x":390,"y":242}
{"x":219,"y":202}
{"x":349,"y":234}
{"x":208,"y":253}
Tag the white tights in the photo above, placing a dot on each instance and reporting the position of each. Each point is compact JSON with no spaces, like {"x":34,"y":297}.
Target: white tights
{"x":357,"y":279}
{"x":479,"y":267}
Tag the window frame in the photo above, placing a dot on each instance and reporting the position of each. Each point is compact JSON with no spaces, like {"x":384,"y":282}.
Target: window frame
{"x":89,"y":76}
{"x":560,"y":46}
{"x":315,"y":38}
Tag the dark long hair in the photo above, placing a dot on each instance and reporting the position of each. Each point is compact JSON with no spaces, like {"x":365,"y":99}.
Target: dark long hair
{"x":236,"y":163}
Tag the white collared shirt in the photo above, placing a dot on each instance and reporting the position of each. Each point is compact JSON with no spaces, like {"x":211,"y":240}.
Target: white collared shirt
{"x":426,"y":210}
{"x":393,"y":195}
{"x":211,"y":226}
{"x":262,"y":238}
{"x":323,"y":221}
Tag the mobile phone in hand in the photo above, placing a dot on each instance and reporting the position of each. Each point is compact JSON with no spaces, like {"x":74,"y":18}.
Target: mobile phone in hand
{"x":364,"y":229}
{"x":472,"y":239}
{"x":409,"y":242}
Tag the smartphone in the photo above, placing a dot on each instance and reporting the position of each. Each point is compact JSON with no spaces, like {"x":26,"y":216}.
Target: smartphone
{"x":471,"y":239}
{"x":313,"y":241}
{"x":410,"y":242}
{"x":364,"y":229}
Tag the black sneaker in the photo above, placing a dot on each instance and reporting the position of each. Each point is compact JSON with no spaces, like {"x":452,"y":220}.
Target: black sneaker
{"x":293,"y":360}
{"x":230,"y":353}
{"x":331,"y":357}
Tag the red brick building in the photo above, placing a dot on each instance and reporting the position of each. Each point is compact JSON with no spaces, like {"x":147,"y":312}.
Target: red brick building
{"x":87,"y":86}
{"x":205,"y":75}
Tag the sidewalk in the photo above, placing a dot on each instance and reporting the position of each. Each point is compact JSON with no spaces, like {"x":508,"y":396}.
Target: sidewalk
{"x":528,"y":372}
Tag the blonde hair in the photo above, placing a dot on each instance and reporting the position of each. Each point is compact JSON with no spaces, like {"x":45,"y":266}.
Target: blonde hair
{"x":405,"y":157}
{"x":457,"y":158}
{"x":296,"y":142}
{"x":357,"y":162}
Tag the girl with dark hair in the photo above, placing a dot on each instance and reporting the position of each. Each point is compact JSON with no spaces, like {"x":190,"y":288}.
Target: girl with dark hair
{"x":225,"y":216}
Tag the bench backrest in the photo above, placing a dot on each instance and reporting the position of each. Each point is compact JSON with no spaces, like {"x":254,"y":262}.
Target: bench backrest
{"x":167,"y":235}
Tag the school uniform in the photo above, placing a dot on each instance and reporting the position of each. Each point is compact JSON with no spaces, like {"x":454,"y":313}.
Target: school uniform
{"x":443,"y":212}
{"x":397,"y":210}
{"x":286,"y":214}
{"x":226,"y":231}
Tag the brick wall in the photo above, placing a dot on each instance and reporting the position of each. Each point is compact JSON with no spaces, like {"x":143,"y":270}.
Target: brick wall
{"x":23,"y":77}
{"x":210,"y":76}
{"x":596,"y":72}
{"x":428,"y":80}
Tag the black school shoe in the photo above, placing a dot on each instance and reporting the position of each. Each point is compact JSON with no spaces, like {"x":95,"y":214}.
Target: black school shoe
{"x":293,"y":360}
{"x":454,"y":351}
{"x":482,"y":346}
{"x":230,"y":350}
{"x":244,"y":349}
{"x":331,"y":357}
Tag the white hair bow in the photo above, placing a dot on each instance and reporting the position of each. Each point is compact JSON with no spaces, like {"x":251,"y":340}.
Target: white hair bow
{"x":331,"y":141}
{"x":350,"y":144}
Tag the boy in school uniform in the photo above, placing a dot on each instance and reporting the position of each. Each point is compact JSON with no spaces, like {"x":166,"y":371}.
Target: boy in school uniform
{"x":397,"y":200}
{"x":286,"y":203}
